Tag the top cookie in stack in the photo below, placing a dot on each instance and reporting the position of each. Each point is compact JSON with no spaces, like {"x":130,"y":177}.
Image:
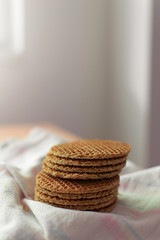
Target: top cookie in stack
{"x":86,"y":159}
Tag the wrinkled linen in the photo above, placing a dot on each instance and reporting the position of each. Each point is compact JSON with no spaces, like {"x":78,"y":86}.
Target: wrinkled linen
{"x":136,"y":215}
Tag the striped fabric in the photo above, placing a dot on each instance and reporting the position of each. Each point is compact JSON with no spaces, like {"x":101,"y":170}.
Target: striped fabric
{"x":136,"y":216}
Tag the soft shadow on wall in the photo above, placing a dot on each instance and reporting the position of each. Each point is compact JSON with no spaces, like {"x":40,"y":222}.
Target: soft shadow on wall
{"x":129,"y":75}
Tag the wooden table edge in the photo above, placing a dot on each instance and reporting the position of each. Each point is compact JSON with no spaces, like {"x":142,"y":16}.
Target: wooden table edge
{"x":22,"y":130}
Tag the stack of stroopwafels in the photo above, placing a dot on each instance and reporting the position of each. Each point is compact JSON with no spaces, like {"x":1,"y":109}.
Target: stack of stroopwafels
{"x":82,"y":175}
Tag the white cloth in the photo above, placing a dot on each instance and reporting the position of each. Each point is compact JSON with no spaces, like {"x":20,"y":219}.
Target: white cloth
{"x":136,"y":216}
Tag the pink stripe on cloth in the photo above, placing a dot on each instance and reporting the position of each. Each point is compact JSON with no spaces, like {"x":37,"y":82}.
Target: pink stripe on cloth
{"x":136,"y":213}
{"x":113,"y":227}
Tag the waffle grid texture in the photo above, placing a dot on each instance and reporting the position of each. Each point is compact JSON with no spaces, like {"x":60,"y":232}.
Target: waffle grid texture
{"x":82,"y":175}
{"x":85,"y":162}
{"x":82,"y":195}
{"x":91,"y":149}
{"x":80,"y":169}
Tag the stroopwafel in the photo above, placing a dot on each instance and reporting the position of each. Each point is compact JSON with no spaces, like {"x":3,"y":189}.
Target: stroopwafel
{"x":91,"y":149}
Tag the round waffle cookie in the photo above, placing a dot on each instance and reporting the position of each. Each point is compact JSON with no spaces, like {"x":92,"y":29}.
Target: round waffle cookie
{"x":71,"y":186}
{"x":82,"y":195}
{"x":91,"y":149}
{"x":74,"y":202}
{"x":75,"y":169}
{"x":87,"y":207}
{"x":74,"y":175}
{"x":108,"y":208}
{"x":85,"y":163}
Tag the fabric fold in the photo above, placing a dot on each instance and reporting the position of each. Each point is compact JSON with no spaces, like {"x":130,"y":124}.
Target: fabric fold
{"x":136,"y":215}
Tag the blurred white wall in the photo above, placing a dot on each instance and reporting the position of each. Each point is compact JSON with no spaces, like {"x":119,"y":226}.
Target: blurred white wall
{"x":85,"y":68}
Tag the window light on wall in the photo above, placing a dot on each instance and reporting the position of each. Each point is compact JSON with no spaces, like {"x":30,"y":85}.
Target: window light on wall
{"x":11,"y":27}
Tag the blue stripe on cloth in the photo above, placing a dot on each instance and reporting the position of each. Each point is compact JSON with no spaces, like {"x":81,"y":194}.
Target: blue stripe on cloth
{"x":136,"y":235}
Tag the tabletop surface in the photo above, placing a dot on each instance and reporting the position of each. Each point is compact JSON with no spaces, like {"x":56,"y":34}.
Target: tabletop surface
{"x":21,"y":130}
